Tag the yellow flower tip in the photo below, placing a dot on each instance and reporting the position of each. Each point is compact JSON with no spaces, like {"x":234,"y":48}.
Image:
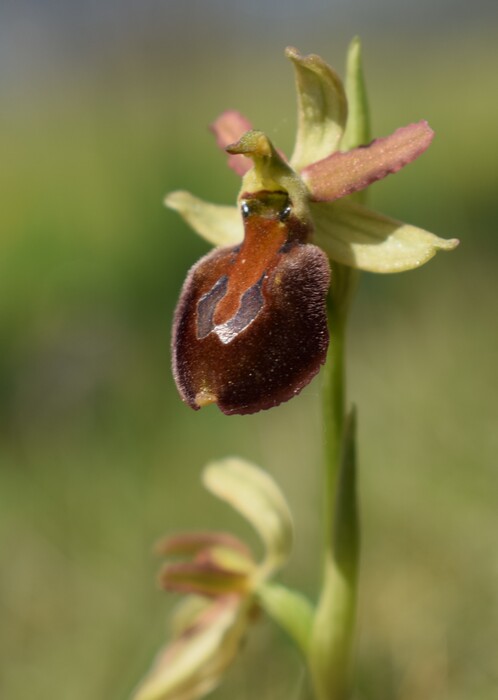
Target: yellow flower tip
{"x":311,"y":61}
{"x":448,"y":243}
{"x":252,"y":144}
{"x":354,"y":46}
{"x":175,"y":200}
{"x":205,"y":398}
{"x":292,"y":53}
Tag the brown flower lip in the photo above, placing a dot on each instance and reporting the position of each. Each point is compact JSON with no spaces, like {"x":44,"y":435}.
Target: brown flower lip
{"x":250,"y":328}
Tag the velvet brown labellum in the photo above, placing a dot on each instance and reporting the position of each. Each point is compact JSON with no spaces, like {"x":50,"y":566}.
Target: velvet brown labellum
{"x":250,"y":329}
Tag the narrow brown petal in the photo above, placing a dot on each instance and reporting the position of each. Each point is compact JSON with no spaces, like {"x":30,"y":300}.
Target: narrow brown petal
{"x":190,"y":543}
{"x":228,"y":128}
{"x":344,"y":173}
{"x":202,"y":578}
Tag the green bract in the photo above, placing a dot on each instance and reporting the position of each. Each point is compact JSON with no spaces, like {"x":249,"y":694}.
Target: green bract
{"x":322,"y":170}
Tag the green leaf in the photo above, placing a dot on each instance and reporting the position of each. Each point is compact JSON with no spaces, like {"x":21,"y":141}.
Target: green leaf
{"x":254,"y":494}
{"x":322,"y":109}
{"x":356,"y":236}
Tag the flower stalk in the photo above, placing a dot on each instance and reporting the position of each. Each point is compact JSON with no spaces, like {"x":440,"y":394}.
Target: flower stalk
{"x":333,"y":629}
{"x":333,"y":626}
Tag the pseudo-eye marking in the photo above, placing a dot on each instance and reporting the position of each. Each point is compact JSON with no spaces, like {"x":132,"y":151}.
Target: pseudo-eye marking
{"x":251,"y":303}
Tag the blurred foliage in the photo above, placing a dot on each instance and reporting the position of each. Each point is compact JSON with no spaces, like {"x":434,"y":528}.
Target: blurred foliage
{"x":99,"y":457}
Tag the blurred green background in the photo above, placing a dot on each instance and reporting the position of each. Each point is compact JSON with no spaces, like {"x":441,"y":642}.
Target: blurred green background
{"x":104,"y":108}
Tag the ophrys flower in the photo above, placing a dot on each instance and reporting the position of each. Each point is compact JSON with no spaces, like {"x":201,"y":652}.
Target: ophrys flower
{"x":250,"y":328}
{"x":223,"y":582}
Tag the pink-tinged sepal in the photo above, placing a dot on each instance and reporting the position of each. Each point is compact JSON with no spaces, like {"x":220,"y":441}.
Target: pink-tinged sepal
{"x":341,"y":173}
{"x":229,"y":128}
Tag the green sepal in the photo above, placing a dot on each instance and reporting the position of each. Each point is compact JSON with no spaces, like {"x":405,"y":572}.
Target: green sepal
{"x":218,"y":224}
{"x":321,"y":109}
{"x":354,"y":235}
{"x":194,"y":663}
{"x":256,"y":496}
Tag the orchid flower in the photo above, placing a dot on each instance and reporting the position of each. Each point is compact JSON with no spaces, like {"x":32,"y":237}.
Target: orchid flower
{"x":223,"y":582}
{"x":250,"y":329}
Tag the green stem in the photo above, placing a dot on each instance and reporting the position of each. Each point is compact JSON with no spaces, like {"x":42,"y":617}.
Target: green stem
{"x":332,"y":633}
{"x":334,"y":402}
